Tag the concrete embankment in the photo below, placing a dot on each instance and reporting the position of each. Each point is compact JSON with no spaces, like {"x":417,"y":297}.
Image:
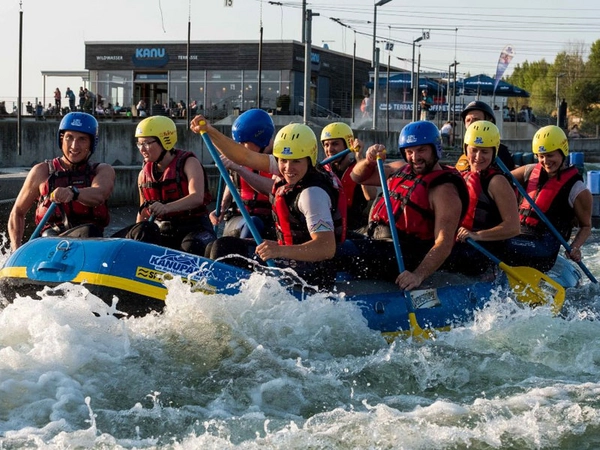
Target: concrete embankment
{"x":116,"y":147}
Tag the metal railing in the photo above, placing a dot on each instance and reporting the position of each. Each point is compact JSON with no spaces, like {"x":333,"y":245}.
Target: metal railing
{"x":317,"y":110}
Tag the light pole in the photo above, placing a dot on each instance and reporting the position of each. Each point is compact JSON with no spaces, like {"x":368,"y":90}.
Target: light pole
{"x":558,"y":75}
{"x":375,"y":88}
{"x":452,"y":105}
{"x":389,"y":47}
{"x":414,"y":84}
{"x":307,"y":63}
{"x":379,"y":3}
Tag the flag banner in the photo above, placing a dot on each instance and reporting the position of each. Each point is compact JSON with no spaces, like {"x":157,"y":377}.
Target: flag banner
{"x":506,"y":57}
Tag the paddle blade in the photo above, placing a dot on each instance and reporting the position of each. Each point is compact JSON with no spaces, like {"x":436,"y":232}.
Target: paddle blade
{"x":534,"y":287}
{"x":416,"y":332}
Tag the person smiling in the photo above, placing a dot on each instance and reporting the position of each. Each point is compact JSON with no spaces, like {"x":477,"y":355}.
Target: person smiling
{"x":428,"y":200}
{"x":558,"y":190}
{"x":492,"y":215}
{"x":308,"y":204}
{"x":79,"y":187}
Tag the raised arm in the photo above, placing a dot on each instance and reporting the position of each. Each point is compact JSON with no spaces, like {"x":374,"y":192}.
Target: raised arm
{"x":365,"y":171}
{"x":228,"y":147}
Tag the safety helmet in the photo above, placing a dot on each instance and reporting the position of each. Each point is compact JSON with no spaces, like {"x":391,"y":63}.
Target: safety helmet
{"x":160,"y":127}
{"x":296,"y":141}
{"x":254,"y":126}
{"x":482,"y":133}
{"x":338,"y":130}
{"x":549,"y":139}
{"x":479,"y":106}
{"x":419,"y":133}
{"x":82,"y":122}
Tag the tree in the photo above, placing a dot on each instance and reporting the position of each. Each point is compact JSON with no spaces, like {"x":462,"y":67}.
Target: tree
{"x":586,"y":91}
{"x":569,"y":72}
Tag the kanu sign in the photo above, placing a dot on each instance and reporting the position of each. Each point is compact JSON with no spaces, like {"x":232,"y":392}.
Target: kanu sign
{"x":150,"y":57}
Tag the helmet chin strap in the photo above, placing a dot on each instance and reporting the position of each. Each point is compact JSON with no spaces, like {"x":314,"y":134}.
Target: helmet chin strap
{"x":161,"y":157}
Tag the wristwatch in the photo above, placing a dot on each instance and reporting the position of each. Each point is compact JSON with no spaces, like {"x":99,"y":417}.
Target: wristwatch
{"x":75,"y":193}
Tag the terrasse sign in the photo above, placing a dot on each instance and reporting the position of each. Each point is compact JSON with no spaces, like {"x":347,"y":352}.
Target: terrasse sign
{"x":150,"y":57}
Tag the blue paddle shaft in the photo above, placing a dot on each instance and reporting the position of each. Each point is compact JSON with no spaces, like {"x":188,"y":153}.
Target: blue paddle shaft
{"x":415,"y":328}
{"x":232,"y":189}
{"x":335,"y":157}
{"x":543,"y":217}
{"x":390,"y":213}
{"x":38,"y":230}
{"x":218,"y":201}
{"x":483,"y":250}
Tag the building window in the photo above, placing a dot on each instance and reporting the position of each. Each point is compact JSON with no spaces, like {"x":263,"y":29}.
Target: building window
{"x":115,"y":87}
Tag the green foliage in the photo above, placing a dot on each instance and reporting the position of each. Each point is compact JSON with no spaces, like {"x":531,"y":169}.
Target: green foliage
{"x":577,"y":81}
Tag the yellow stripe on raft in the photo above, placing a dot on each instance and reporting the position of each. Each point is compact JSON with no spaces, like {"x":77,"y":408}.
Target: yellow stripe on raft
{"x":13,"y":272}
{"x":109,"y":281}
{"x":124,"y":284}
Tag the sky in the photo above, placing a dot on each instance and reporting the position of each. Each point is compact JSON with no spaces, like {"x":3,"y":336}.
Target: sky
{"x":471,"y":33}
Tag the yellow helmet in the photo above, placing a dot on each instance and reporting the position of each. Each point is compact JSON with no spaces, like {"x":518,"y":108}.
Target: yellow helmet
{"x":482,"y":134}
{"x":161,"y":127}
{"x":338,"y":130}
{"x":549,"y":139}
{"x":296,"y":141}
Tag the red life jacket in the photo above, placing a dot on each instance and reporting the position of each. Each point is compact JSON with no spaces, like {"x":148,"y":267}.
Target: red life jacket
{"x":348,"y":184}
{"x":290,"y":223}
{"x":482,"y":212}
{"x":173,"y":185}
{"x":409,"y":196}
{"x":551,"y":195}
{"x":256,"y":203}
{"x":71,"y":214}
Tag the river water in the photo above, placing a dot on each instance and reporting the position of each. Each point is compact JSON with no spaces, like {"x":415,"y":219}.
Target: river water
{"x":263,"y":370}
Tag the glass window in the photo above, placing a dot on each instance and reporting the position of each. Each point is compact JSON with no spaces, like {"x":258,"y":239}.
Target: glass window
{"x":181,"y":75}
{"x":223,"y":75}
{"x":115,"y":87}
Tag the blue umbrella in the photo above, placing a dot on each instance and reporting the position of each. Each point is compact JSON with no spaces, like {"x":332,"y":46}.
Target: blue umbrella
{"x":402,"y":80}
{"x":484,"y":85}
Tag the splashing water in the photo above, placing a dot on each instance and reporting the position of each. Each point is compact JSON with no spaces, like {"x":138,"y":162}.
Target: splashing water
{"x":263,"y":370}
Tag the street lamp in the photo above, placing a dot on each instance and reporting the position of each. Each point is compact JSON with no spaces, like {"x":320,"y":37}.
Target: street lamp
{"x":558,"y":75}
{"x":452,"y":105}
{"x":414,"y":84}
{"x":379,"y":3}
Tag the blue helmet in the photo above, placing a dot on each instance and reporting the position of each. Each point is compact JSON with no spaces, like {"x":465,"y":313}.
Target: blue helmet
{"x":82,"y":122}
{"x":420,"y":133}
{"x":254,"y":126}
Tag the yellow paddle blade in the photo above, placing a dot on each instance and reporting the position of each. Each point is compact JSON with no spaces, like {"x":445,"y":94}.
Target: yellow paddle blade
{"x":418,"y":333}
{"x":534,"y":287}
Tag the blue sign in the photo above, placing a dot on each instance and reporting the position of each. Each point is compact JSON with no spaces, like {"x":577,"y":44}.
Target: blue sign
{"x":397,"y":106}
{"x":150,"y":57}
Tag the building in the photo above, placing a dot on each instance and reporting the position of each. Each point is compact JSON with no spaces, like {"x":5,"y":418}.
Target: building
{"x":223,"y":76}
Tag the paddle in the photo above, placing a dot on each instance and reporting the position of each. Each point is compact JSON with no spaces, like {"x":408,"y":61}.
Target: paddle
{"x":335,"y":157}
{"x":415,"y":330}
{"x":38,"y":230}
{"x":530,"y":285}
{"x":214,"y":153}
{"x":543,"y":217}
{"x":218,"y":204}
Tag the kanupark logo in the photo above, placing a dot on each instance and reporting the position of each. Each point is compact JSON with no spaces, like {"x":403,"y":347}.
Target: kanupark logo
{"x":150,"y":57}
